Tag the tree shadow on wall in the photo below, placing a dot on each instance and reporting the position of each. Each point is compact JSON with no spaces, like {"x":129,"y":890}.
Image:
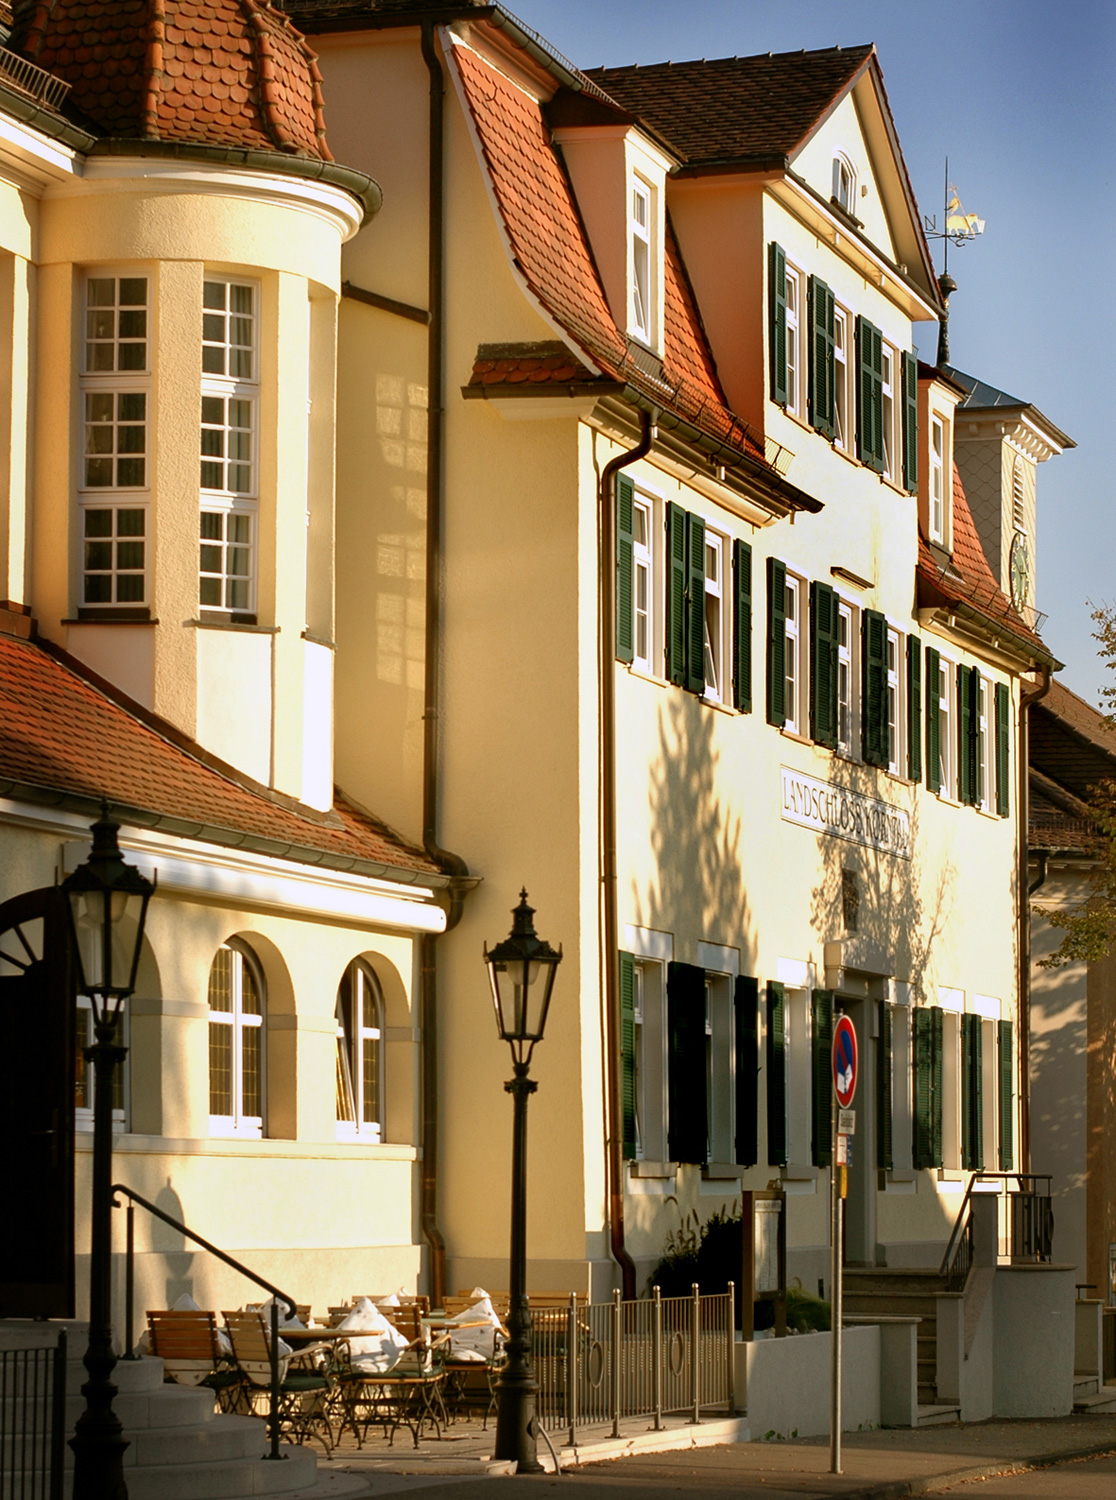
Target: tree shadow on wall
{"x":698,"y":886}
{"x":889,"y":910}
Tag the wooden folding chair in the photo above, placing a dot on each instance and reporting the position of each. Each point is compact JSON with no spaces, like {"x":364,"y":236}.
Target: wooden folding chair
{"x":189,"y":1345}
{"x":304,"y":1397}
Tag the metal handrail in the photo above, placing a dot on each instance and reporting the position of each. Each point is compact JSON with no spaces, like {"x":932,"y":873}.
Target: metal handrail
{"x":961,"y":1222}
{"x":276,"y":1297}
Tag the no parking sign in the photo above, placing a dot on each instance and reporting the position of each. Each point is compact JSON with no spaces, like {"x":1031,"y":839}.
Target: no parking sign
{"x":844,"y":1061}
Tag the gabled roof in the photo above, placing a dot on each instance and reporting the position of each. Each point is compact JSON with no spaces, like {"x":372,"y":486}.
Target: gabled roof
{"x":550,"y":251}
{"x":738,"y":109}
{"x":65,"y":736}
{"x":1072,"y":749}
{"x":964,"y":580}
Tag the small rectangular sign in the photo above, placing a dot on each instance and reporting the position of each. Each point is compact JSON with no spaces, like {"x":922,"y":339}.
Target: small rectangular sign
{"x":846,"y":1121}
{"x":844,"y":1151}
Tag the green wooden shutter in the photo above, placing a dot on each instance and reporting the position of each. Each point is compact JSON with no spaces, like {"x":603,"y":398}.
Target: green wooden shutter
{"x":627,"y":1053}
{"x":824,"y":628}
{"x":910,"y":423}
{"x":746,"y":1017}
{"x":914,"y":708}
{"x":686,"y":1077}
{"x":968,"y":1089}
{"x":937,"y":1034}
{"x":874,"y":716}
{"x":823,"y":360}
{"x":777,"y":320}
{"x":695,"y":605}
{"x":977,"y":1070}
{"x":923,"y":1064}
{"x":776,"y":1074}
{"x":966,"y":760}
{"x":1006,"y":1120}
{"x":776,"y":642}
{"x":821,"y":1006}
{"x":885,"y":1159}
{"x":742,"y":627}
{"x":1003,"y":743}
{"x":625,"y":529}
{"x":676,"y":594}
{"x":933,"y":721}
{"x":869,"y":411}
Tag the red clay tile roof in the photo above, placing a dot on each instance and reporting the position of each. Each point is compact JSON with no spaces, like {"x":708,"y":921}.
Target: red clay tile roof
{"x":1058,"y":820}
{"x":549,"y":246}
{"x":548,"y":363}
{"x":969,"y":581}
{"x":63,"y":735}
{"x":1071,"y":742}
{"x":210,"y":72}
{"x":737,"y":108}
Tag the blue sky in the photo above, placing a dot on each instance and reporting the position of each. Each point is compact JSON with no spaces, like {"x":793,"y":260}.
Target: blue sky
{"x":1019,"y":95}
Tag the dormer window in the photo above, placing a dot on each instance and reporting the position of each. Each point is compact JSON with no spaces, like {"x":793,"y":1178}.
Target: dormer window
{"x":844,"y":183}
{"x":640,"y":223}
{"x":937,"y":480}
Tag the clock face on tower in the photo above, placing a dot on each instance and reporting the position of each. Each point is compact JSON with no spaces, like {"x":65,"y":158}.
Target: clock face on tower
{"x":1020,"y":571}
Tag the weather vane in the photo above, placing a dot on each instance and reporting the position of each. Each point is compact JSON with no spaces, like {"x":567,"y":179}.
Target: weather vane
{"x":958,"y":228}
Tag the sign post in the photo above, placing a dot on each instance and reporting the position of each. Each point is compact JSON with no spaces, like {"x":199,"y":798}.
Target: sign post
{"x":843,"y":1123}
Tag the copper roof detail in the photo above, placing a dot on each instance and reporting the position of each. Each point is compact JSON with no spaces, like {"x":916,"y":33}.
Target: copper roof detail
{"x":226,"y":73}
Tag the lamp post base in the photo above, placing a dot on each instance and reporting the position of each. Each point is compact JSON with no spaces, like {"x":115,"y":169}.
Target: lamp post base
{"x":98,"y":1442}
{"x":515,"y":1421}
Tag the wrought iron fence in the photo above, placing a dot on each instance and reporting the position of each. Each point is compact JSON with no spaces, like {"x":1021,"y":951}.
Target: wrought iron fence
{"x":32,"y":1421}
{"x":600,"y":1363}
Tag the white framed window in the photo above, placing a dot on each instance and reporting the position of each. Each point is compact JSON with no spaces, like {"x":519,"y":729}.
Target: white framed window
{"x":983,"y":768}
{"x":902,"y":1078}
{"x":643,"y":584}
{"x":360,"y":1055}
{"x":715,"y":618}
{"x":844,"y":182}
{"x":799,"y":1045}
{"x":795,"y":361}
{"x":937,"y":480}
{"x":640,"y":238}
{"x":894,"y":703}
{"x":114,"y":483}
{"x":83,"y":1070}
{"x":952,"y":1002}
{"x":796,"y":663}
{"x":228,"y":448}
{"x":236,"y":1042}
{"x":720,"y":1075}
{"x":843,"y":403}
{"x":889,"y":365}
{"x":947,"y":677}
{"x":651,"y":953}
{"x":847,"y":634}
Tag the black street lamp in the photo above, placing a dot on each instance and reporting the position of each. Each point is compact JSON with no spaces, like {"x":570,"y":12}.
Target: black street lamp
{"x":107,"y":901}
{"x":522,"y":970}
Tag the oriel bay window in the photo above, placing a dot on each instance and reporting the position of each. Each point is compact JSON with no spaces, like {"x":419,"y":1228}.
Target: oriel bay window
{"x":360,"y":1054}
{"x":229,"y":421}
{"x":113,"y":494}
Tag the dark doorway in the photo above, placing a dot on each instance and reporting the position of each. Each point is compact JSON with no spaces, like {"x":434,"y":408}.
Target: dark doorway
{"x":37,"y":1011}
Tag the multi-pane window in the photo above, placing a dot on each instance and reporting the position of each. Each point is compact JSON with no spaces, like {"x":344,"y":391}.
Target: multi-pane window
{"x":641,"y":259}
{"x":360,"y":1054}
{"x":794,"y":343}
{"x":714,"y":615}
{"x":719,"y":1067}
{"x":229,"y":420}
{"x":937,"y":480}
{"x":83,"y":1069}
{"x":844,"y":183}
{"x":888,"y":419}
{"x":795,"y":595}
{"x":982,"y":767}
{"x":845,"y":699}
{"x":643,"y":574}
{"x":894,"y":708}
{"x":945,"y":728}
{"x":643,"y":1062}
{"x":236,"y":1042}
{"x":841,"y":403}
{"x":114,"y":477}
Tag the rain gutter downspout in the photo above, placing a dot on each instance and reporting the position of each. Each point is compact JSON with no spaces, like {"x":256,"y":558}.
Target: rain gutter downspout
{"x":435,"y":496}
{"x":1023,"y":802}
{"x":610,"y":945}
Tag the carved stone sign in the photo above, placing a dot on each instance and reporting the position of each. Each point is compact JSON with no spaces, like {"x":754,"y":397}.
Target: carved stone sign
{"x":844,"y":813}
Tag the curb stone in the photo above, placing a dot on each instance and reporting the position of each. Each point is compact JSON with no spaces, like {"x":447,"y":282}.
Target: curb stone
{"x":929,"y":1484}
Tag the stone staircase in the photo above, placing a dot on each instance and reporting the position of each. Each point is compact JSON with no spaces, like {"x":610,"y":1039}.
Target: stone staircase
{"x":1089,"y":1395}
{"x":179,"y":1447}
{"x":880,"y":1291}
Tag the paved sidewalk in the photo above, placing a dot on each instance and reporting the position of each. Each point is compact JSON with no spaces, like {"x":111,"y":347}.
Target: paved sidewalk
{"x":878,"y":1465}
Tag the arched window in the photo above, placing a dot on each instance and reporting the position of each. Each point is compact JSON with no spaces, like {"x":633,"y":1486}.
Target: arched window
{"x":236,"y":1042}
{"x":844,"y":182}
{"x":360,"y":1054}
